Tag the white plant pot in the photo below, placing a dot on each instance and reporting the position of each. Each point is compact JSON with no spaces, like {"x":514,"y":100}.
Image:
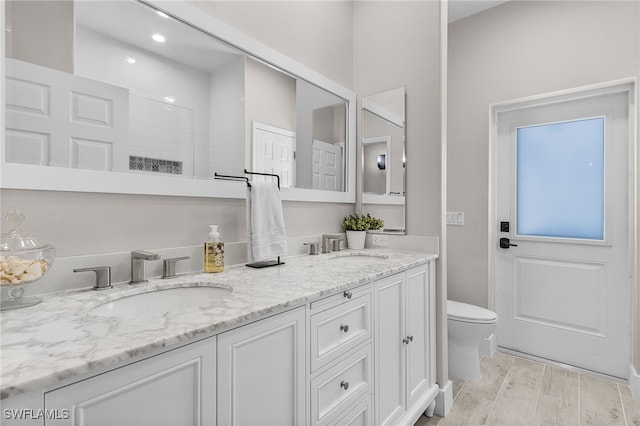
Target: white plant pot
{"x":355,"y":239}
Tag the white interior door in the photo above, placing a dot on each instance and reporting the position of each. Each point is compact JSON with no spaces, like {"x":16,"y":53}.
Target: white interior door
{"x":562,"y":290}
{"x":57,"y":119}
{"x":274,"y":152}
{"x":325,"y":166}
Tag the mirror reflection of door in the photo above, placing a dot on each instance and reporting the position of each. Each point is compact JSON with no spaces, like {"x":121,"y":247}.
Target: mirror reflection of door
{"x":273,"y":152}
{"x":320,"y":116}
{"x":325,"y":166}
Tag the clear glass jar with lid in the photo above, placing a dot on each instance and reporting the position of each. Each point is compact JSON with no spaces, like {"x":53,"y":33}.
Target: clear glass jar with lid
{"x":23,"y":259}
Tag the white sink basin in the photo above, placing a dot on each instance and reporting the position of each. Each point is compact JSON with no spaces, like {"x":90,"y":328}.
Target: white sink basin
{"x":158,"y":302}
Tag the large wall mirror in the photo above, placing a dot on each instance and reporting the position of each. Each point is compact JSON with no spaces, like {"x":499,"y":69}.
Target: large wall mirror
{"x":140,"y":97}
{"x":383,"y":158}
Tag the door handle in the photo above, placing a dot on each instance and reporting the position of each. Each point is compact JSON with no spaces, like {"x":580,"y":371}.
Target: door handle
{"x":505,"y":243}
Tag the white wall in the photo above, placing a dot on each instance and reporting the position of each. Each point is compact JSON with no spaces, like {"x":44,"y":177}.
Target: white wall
{"x":519,"y":49}
{"x":50,"y":22}
{"x":226,"y":145}
{"x":317,"y":34}
{"x":636,"y":331}
{"x":397,"y":43}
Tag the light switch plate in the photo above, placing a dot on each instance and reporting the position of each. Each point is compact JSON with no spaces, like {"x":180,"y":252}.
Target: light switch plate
{"x":455,"y":218}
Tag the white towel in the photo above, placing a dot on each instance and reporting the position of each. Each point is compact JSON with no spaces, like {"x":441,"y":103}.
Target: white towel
{"x":265,"y":222}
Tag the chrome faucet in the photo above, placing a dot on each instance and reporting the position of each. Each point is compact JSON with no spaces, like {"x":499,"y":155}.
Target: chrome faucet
{"x":169,"y":266}
{"x":103,"y":276}
{"x":328,"y":240}
{"x":138,"y":257}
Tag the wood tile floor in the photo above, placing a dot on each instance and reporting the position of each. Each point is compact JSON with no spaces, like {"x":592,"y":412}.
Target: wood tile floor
{"x":514,"y":391}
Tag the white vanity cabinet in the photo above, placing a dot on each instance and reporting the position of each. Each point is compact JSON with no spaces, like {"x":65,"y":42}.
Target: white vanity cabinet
{"x":365,"y":356}
{"x":404,"y":342}
{"x":174,"y":388}
{"x":261,"y":372}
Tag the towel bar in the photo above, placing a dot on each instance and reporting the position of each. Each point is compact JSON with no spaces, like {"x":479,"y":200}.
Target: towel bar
{"x":265,"y":263}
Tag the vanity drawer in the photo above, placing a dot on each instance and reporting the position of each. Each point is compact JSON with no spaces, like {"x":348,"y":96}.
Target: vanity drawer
{"x":341,"y":386}
{"x":338,"y":298}
{"x":339,"y":329}
{"x":360,"y":415}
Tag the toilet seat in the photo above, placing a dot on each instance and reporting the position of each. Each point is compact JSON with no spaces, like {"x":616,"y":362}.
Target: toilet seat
{"x":463,"y":312}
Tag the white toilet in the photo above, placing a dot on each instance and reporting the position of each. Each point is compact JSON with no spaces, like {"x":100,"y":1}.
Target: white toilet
{"x":467,"y":326}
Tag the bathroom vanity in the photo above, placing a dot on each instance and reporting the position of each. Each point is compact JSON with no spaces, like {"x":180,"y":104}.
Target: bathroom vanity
{"x":343,"y":338}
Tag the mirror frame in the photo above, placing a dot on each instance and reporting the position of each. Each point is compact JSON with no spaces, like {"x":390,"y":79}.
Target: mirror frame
{"x":32,"y":177}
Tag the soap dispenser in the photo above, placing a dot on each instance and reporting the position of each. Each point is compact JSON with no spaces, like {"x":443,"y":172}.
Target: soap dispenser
{"x":213,"y":251}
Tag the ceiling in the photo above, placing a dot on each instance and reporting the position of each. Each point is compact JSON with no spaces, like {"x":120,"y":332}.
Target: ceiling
{"x":133,"y":23}
{"x":459,"y":9}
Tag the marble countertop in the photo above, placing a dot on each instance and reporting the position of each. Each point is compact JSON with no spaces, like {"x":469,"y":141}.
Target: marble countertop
{"x":60,"y":338}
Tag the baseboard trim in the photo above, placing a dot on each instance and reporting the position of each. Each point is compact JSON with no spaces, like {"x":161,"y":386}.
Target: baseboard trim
{"x":444,"y":399}
{"x":634,"y":382}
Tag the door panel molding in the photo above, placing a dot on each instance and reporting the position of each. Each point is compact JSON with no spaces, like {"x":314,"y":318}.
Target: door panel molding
{"x":557,"y":293}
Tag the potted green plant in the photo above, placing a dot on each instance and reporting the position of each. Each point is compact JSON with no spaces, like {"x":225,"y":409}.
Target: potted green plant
{"x":356,"y":227}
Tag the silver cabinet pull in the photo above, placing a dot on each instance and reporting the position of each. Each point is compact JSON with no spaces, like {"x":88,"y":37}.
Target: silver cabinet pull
{"x":344,"y":328}
{"x":348,"y":294}
{"x":344,"y":385}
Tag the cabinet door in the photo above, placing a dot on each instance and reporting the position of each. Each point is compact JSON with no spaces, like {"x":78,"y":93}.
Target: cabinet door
{"x":173,"y":388}
{"x":389,"y":349}
{"x":419,"y":321}
{"x":261,"y":372}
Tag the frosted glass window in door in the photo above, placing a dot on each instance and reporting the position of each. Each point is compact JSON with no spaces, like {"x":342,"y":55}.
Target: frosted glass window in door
{"x":560,"y":179}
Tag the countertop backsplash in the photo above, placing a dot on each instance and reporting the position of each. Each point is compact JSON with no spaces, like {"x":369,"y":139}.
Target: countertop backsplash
{"x":62,"y":278}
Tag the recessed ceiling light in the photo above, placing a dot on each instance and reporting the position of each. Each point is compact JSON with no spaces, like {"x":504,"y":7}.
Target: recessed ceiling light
{"x":158,"y":37}
{"x":130,"y":60}
{"x":164,"y":15}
